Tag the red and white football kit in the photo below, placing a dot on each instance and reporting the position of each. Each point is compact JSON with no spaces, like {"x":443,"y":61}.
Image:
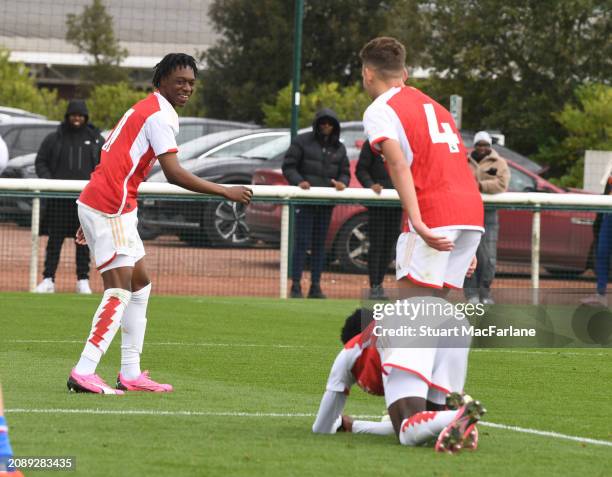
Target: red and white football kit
{"x":446,"y":191}
{"x":362,"y":362}
{"x":108,"y":204}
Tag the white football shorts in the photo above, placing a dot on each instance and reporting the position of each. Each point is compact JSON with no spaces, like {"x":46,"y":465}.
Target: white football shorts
{"x":439,"y":371}
{"x":425,"y":266}
{"x":113,"y":241}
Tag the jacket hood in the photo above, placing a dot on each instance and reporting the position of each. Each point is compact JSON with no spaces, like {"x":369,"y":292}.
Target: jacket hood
{"x":328,"y":114}
{"x":77,"y":106}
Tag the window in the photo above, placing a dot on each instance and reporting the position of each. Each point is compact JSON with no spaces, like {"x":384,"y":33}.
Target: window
{"x":270,"y":149}
{"x":30,"y":139}
{"x":520,"y":182}
{"x":187,"y":132}
{"x":241,"y":146}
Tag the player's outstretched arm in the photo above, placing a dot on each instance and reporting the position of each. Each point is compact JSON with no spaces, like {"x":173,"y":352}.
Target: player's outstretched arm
{"x":329,"y":416}
{"x":401,"y":176}
{"x":177,"y":175}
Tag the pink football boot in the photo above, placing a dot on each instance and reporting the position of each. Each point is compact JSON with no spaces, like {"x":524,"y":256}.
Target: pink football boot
{"x":142,"y":383}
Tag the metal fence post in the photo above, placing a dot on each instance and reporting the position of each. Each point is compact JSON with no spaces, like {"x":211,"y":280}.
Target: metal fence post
{"x":35,"y":239}
{"x":284,"y":250}
{"x":535,"y":254}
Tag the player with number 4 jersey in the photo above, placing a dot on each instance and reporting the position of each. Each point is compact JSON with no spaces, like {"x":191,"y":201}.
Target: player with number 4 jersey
{"x":427,"y":164}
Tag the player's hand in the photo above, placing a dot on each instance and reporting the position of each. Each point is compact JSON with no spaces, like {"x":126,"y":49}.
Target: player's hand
{"x":437,"y":242}
{"x":338,"y":185}
{"x":239,"y":194}
{"x":304,"y":185}
{"x":472,"y":267}
{"x":377,"y":188}
{"x":347,"y":424}
{"x":79,"y":238}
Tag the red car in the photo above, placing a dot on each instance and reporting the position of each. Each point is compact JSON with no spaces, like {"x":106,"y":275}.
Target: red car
{"x":566,"y":236}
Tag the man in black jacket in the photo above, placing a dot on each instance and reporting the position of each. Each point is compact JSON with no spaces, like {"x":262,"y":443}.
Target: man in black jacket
{"x":71,"y":152}
{"x":383,"y":222}
{"x":315,"y":159}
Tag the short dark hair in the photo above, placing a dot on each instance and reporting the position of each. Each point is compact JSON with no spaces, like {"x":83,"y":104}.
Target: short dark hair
{"x":355,"y":324}
{"x":169,"y":63}
{"x":384,"y":54}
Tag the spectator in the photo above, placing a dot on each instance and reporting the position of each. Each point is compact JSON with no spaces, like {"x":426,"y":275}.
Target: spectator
{"x":4,"y":156}
{"x":316,"y":159}
{"x":72,"y":152}
{"x":383,"y":222}
{"x":493,"y":177}
{"x":602,"y":244}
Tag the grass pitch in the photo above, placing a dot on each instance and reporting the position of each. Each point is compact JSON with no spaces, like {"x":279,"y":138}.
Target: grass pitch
{"x":248,"y":376}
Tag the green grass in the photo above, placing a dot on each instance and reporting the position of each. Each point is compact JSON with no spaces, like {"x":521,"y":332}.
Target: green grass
{"x":565,"y":392}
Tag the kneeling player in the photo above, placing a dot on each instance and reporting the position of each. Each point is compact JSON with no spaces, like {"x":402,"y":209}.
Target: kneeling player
{"x":406,"y":394}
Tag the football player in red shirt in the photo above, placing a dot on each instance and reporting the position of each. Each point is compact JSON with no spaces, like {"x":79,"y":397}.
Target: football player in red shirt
{"x":425,"y":158}
{"x":108,"y":215}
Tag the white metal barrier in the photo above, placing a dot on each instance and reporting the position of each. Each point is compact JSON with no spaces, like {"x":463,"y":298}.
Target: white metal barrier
{"x":533,"y":200}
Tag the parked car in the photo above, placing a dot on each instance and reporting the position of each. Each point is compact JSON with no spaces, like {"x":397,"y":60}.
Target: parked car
{"x":7,"y":113}
{"x":25,"y":135}
{"x":191,"y":128}
{"x":223,"y":143}
{"x":222,"y":223}
{"x":566,"y":236}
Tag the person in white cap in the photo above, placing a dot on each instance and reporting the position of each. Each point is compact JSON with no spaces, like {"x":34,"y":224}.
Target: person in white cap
{"x":493,"y":176}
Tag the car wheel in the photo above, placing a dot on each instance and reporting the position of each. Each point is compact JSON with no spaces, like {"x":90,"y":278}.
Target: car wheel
{"x":226,"y":226}
{"x":353,"y":244}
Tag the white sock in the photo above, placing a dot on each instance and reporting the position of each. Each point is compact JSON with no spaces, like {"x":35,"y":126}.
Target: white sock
{"x":133,"y":328}
{"x":424,"y":426}
{"x":382,"y":428}
{"x":104,"y":326}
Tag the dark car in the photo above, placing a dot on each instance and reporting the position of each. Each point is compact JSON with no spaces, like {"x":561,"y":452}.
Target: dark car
{"x":218,"y":223}
{"x":223,"y":223}
{"x":222,"y":143}
{"x":566,"y":236}
{"x":25,"y":135}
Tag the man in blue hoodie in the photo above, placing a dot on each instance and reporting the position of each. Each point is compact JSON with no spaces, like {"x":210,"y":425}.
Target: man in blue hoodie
{"x":315,"y":159}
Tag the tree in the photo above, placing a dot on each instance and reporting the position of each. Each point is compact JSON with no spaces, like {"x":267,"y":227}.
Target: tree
{"x":92,"y":33}
{"x":253,"y":59}
{"x":349,"y":103}
{"x":587,"y":125}
{"x":107,"y":103}
{"x":515,"y":63}
{"x":19,"y":90}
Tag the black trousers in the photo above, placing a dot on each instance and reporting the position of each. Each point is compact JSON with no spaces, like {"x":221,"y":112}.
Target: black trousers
{"x":384,"y":224}
{"x":479,"y":284}
{"x":62,"y":221}
{"x":311,"y":225}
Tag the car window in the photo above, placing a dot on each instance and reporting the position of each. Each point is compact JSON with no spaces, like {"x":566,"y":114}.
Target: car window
{"x":519,"y":181}
{"x":187,"y":132}
{"x":9,"y":138}
{"x":271,"y":148}
{"x":241,"y":146}
{"x":30,"y":139}
{"x":351,"y":136}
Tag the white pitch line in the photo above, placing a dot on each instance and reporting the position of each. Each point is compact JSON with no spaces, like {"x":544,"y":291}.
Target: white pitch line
{"x":142,"y":412}
{"x":292,"y":346}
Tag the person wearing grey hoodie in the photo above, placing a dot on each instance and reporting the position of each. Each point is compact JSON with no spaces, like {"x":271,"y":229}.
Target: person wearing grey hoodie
{"x":315,"y":159}
{"x":493,"y":176}
{"x":71,"y":152}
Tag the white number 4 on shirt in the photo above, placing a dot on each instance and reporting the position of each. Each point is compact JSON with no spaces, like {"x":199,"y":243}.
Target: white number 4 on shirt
{"x":446,"y":136}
